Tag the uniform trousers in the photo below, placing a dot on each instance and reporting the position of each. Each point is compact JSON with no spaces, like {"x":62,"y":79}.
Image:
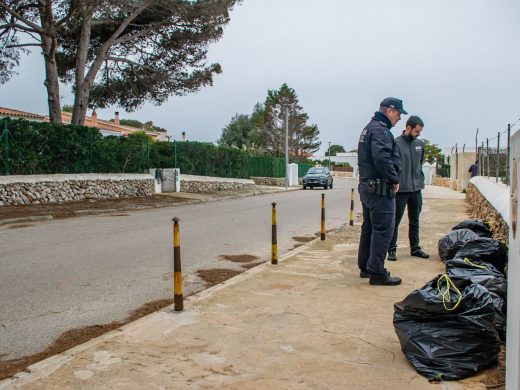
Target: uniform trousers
{"x":376,"y":231}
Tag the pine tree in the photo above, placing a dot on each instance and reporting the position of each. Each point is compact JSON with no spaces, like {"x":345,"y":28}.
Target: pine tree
{"x":303,"y":138}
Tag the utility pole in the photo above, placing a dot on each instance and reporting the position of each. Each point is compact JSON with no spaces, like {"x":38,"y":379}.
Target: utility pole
{"x":508,"y":167}
{"x":476,"y":146}
{"x":286,"y":147}
{"x":6,"y":138}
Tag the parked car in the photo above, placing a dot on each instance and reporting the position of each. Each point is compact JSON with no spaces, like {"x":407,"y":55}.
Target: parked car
{"x":318,"y":177}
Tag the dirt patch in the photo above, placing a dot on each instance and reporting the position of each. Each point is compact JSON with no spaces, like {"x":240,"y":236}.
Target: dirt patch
{"x":20,"y":225}
{"x":252,"y":265}
{"x":74,"y":337}
{"x":69,"y":209}
{"x":304,"y":239}
{"x":239,"y":258}
{"x":317,"y":234}
{"x":216,"y":275}
{"x":495,"y":377}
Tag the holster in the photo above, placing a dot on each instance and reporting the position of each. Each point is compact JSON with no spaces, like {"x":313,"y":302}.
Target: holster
{"x":380,"y":187}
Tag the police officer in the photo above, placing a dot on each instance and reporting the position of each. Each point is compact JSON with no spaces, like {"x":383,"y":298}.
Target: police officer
{"x":411,"y":183}
{"x":379,"y":168}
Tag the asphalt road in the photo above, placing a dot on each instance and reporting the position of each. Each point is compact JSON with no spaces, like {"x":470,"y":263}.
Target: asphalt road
{"x":63,"y":274}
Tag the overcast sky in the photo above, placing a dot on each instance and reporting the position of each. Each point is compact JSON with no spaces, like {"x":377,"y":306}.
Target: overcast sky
{"x":455,"y":63}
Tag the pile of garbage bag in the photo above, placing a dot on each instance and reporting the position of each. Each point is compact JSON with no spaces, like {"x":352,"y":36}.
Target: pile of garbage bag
{"x":452,"y":327}
{"x":447,"y":329}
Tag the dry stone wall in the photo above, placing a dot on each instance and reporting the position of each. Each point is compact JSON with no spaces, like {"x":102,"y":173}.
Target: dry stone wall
{"x":190,"y":183}
{"x":482,"y":209}
{"x":269,"y":181}
{"x":36,"y":189}
{"x":445,"y":182}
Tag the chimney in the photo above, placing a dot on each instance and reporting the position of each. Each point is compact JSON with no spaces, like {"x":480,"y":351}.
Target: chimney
{"x":116,"y":119}
{"x":183,"y":136}
{"x":94,"y":118}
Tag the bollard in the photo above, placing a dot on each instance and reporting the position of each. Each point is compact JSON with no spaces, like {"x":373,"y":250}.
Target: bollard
{"x":322,"y":217}
{"x":177,"y":272}
{"x":352,"y":208}
{"x":274,"y":246}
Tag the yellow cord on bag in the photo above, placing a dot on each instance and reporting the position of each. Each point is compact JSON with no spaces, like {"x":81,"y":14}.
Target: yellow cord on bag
{"x":446,"y":295}
{"x":468,"y":261}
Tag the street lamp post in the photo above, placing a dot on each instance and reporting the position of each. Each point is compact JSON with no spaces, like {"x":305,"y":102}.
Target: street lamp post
{"x":329,"y":155}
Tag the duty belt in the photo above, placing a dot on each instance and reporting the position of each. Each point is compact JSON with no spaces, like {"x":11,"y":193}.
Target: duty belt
{"x":379,"y":187}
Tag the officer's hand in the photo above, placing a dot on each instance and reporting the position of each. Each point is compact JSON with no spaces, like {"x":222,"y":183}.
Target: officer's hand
{"x":396,"y":187}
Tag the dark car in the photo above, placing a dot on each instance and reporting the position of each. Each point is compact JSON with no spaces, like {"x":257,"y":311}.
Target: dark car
{"x":317,"y":177}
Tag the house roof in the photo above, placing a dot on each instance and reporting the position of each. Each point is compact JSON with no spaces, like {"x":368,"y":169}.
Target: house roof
{"x":92,"y":121}
{"x":108,"y":126}
{"x":20,"y":114}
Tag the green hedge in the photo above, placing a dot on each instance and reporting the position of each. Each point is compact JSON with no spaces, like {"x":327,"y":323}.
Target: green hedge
{"x":45,"y":148}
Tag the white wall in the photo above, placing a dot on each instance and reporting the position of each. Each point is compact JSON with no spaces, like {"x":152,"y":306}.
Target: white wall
{"x":513,"y":286}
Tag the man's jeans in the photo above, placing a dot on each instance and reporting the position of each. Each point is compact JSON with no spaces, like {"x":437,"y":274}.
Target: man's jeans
{"x":414,"y":202}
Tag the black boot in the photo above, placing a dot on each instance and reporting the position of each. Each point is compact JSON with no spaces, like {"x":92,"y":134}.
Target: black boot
{"x":418,"y":252}
{"x":384,"y":280}
{"x":392,"y":256}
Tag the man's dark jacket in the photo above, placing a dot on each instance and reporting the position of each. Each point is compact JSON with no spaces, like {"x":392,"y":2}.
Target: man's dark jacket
{"x":411,"y":153}
{"x":377,"y":155}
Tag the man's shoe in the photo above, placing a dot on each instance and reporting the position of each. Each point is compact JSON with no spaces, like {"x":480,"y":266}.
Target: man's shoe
{"x":392,"y":256}
{"x":384,"y":280}
{"x":418,"y":252}
{"x":364,"y":274}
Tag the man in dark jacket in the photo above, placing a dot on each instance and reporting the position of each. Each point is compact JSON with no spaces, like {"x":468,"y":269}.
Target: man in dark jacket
{"x":378,"y":182}
{"x":411,"y":182}
{"x":473,"y":169}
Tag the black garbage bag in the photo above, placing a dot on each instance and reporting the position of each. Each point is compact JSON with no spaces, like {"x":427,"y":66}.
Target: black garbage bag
{"x":488,"y":276}
{"x":485,"y":249}
{"x":476,"y":225}
{"x":453,"y":241}
{"x":500,"y":315}
{"x":479,"y":272}
{"x":447,"y":328}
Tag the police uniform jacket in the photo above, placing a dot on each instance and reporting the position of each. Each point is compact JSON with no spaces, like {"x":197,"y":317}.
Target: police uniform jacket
{"x":411,"y":153}
{"x":377,"y":154}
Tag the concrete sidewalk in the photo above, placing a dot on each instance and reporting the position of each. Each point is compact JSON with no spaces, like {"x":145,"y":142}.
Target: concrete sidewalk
{"x":308,"y":323}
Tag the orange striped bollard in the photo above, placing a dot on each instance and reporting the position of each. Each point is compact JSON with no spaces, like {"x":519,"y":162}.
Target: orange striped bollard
{"x":178,"y":297}
{"x":274,"y":245}
{"x":322,"y":217}
{"x":352,"y":208}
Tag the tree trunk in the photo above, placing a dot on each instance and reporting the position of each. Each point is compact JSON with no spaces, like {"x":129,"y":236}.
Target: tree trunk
{"x":51,"y":70}
{"x":79,"y":111}
{"x":85,"y":81}
{"x":81,"y":96}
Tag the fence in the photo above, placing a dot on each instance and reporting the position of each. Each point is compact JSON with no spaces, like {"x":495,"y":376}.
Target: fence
{"x":28,"y":147}
{"x":492,"y":156}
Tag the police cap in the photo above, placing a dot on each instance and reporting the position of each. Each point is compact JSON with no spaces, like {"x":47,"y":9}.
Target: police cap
{"x":394,"y":103}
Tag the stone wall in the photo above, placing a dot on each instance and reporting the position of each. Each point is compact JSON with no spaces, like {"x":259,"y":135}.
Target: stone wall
{"x":190,"y":183}
{"x":482,"y":209}
{"x":444,"y":182}
{"x":269,"y":181}
{"x":17,"y":190}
